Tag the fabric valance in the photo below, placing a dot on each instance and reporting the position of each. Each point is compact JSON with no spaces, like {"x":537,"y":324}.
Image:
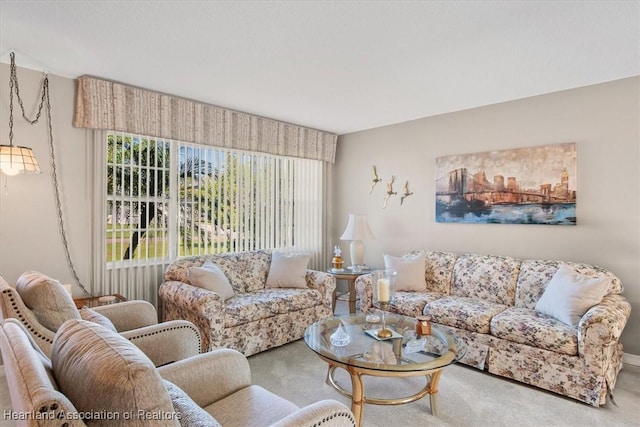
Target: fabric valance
{"x":103,"y":104}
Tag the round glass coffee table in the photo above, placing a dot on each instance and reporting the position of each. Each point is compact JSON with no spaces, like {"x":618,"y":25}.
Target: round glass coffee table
{"x":402,"y":355}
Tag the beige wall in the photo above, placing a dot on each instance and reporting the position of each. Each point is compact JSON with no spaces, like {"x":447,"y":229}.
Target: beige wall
{"x":29,"y":233}
{"x":602,"y":119}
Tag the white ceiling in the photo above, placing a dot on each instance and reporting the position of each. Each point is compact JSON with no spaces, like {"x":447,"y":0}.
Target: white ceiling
{"x":332,"y":65}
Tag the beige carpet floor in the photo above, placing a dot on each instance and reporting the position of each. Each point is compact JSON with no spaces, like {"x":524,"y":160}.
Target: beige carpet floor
{"x":467,"y":397}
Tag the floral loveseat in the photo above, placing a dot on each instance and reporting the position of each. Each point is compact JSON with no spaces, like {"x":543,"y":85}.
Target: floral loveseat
{"x":256,"y":317}
{"x":490,"y":303}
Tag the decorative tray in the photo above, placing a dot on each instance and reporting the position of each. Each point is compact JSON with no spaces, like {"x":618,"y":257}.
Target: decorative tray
{"x":374,"y":333}
{"x":359,"y":268}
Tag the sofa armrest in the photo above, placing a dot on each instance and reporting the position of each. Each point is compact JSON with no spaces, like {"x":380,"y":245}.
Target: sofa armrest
{"x":211,"y":376}
{"x":129,"y":315}
{"x":325,"y":413}
{"x":31,"y":385}
{"x":323,"y":282}
{"x":167,"y":342}
{"x":184,"y":296}
{"x":602,"y":324}
{"x":364,"y":290}
{"x":202,"y":307}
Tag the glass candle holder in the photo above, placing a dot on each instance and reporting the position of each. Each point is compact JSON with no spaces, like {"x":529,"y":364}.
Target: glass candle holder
{"x":384,"y":289}
{"x":384,"y":286}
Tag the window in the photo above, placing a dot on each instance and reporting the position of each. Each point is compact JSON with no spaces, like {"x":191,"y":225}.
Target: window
{"x":165,"y":199}
{"x":137,"y":199}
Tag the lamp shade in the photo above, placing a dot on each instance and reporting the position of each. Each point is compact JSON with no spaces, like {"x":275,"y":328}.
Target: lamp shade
{"x":15,"y":160}
{"x":357,"y":228}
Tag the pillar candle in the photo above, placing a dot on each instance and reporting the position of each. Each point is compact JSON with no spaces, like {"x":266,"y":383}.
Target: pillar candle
{"x":383,"y":290}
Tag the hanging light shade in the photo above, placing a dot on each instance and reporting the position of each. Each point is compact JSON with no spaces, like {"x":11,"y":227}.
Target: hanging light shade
{"x":15,"y":160}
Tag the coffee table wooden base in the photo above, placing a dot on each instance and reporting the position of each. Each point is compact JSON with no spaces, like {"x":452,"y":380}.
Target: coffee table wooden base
{"x":358,"y":398}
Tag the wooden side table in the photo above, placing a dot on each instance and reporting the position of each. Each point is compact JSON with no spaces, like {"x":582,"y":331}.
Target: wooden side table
{"x":98,"y":301}
{"x":350,"y":277}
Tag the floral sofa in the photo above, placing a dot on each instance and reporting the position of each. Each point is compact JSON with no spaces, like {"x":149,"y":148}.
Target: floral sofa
{"x":490,"y":303}
{"x":256,"y":317}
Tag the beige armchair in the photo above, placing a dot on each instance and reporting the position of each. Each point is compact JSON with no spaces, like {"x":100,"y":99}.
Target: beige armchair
{"x":46,"y":305}
{"x":94,"y":371}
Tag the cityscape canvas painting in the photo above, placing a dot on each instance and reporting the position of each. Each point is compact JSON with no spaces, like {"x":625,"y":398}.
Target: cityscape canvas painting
{"x":532,"y":185}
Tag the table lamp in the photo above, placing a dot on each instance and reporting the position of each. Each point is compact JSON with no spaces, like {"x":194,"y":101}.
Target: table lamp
{"x":357,"y":230}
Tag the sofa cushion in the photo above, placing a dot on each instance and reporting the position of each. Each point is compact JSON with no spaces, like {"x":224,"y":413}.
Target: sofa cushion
{"x":102,"y":372}
{"x":268,"y":303}
{"x":614,"y":285}
{"x":190,"y":414}
{"x":439,"y":271}
{"x":254,"y":267}
{"x":211,"y":277}
{"x":410,"y":271}
{"x":288,"y":270}
{"x":489,"y":278}
{"x":47,"y":298}
{"x":471,"y":314}
{"x":253,"y":406}
{"x":412,"y":303}
{"x":526,"y":326}
{"x":533,"y":278}
{"x":234,"y":270}
{"x":91,"y":315}
{"x":569,"y":294}
{"x":179,"y":270}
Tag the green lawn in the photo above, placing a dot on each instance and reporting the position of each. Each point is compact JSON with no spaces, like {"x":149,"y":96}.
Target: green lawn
{"x":115,"y":252}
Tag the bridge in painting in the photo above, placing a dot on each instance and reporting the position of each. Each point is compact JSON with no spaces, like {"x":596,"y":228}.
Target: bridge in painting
{"x":459,"y":185}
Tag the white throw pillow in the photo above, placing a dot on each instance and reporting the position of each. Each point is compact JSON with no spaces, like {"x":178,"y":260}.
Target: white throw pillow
{"x":288,"y":270}
{"x":210,"y":277}
{"x":410,"y":271}
{"x":569,"y":295}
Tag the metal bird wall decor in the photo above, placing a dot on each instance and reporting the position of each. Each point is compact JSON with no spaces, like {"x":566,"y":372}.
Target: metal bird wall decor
{"x":407,"y":193}
{"x":375,"y":179}
{"x":390,"y":192}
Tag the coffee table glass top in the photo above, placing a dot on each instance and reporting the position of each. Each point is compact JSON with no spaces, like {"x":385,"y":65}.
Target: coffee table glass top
{"x":403,"y":352}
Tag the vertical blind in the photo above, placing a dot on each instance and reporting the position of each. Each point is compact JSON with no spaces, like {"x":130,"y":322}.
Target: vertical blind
{"x":162,"y":199}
